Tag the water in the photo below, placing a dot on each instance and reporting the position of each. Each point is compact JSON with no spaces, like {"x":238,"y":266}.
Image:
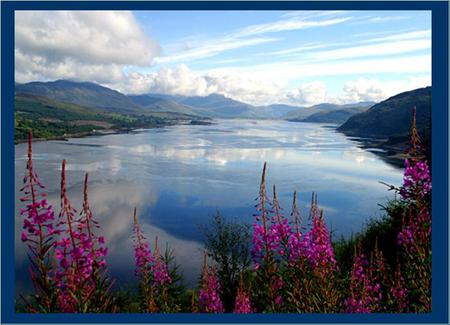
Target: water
{"x":178,"y":177}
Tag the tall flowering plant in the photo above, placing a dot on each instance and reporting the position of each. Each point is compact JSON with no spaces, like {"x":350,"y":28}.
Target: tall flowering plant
{"x":96,"y":253}
{"x":321,"y":265}
{"x":67,"y":260}
{"x":209,"y":293}
{"x":365,"y":294}
{"x":243,"y":304}
{"x":414,"y":238}
{"x":81,"y":270}
{"x":265,"y":248}
{"x":38,"y":234}
{"x":292,"y":267}
{"x":152,"y":272}
{"x":144,"y":260}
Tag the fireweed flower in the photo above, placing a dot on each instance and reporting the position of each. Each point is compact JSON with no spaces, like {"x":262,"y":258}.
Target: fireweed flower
{"x":260,"y":240}
{"x":279,"y":230}
{"x":39,"y":216}
{"x":38,"y":230}
{"x":364,"y":293}
{"x":415,"y":234}
{"x":416,"y":180}
{"x":399,"y":290}
{"x":74,"y":254}
{"x":144,"y":263}
{"x":81,"y":265}
{"x":159,"y":268}
{"x":93,"y":246}
{"x":319,"y":251}
{"x":242,"y":304}
{"x":209,"y":294}
{"x":142,"y":254}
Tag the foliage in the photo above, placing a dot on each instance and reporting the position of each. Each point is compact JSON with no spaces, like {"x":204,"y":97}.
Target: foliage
{"x":227,"y":243}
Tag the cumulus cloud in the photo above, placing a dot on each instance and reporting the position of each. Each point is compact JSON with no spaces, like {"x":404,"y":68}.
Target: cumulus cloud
{"x":365,"y":89}
{"x":182,"y":80}
{"x":309,"y":93}
{"x":79,"y":44}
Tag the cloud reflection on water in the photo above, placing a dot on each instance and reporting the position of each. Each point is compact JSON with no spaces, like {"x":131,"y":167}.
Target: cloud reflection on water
{"x":179,"y":176}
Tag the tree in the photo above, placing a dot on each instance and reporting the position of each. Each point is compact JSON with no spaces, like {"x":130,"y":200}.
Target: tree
{"x":227,"y":243}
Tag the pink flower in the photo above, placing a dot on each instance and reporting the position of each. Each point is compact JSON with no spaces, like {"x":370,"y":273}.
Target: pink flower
{"x":242,"y":304}
{"x":416,"y":180}
{"x":209,"y":298}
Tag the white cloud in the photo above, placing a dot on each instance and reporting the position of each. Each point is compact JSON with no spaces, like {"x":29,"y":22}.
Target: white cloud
{"x":192,"y":49}
{"x":309,"y":94}
{"x":79,"y":44}
{"x":95,"y":37}
{"x":418,"y":34}
{"x":381,"y":49}
{"x":33,"y":67}
{"x":380,"y":19}
{"x":262,"y":91}
{"x":184,"y":81}
{"x":364,"y":89}
{"x":212,"y":48}
{"x":382,"y":46}
{"x":294,"y":23}
{"x":294,"y":70}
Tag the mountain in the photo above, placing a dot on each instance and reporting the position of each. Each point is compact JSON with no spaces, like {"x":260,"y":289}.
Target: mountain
{"x":50,"y":118}
{"x":327,"y":112}
{"x":158,"y":104}
{"x":81,"y":93}
{"x":392,"y":117}
{"x":275,"y":110}
{"x":214,"y":105}
{"x":220,"y":106}
{"x":335,"y":116}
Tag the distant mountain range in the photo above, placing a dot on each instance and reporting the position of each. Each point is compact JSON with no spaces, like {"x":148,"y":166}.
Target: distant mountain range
{"x":87,"y":94}
{"x":362,"y":119}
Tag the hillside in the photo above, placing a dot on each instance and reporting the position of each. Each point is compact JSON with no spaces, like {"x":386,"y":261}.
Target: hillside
{"x":214,"y":105}
{"x":326,"y":112}
{"x":86,"y":94}
{"x":275,"y":111}
{"x":336,"y":116}
{"x":391,"y":117}
{"x":53,"y":119}
{"x":157,"y":104}
{"x":220,"y":106}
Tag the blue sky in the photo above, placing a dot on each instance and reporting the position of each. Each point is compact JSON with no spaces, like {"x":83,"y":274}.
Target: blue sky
{"x":260,"y":57}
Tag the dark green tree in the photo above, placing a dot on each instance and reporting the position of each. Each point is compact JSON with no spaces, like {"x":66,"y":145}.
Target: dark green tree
{"x":227,"y":243}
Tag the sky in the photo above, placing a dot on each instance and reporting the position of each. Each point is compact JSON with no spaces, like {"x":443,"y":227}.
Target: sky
{"x":259,"y":57}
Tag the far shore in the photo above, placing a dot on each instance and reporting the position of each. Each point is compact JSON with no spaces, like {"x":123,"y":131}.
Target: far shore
{"x":66,"y":137}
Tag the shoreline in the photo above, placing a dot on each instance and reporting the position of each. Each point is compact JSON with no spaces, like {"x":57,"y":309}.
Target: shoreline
{"x":107,"y":132}
{"x":392,"y":153}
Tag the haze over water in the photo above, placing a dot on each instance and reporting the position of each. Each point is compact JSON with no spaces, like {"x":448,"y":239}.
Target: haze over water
{"x":178,"y":177}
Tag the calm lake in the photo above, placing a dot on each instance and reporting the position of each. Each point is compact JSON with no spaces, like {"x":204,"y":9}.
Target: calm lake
{"x":178,"y":177}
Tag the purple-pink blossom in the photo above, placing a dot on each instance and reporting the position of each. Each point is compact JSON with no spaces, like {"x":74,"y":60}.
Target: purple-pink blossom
{"x":209,"y":294}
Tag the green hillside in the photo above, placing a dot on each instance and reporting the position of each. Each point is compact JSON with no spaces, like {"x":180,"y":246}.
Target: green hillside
{"x":49,"y":118}
{"x":86,"y":94}
{"x":392,"y":117}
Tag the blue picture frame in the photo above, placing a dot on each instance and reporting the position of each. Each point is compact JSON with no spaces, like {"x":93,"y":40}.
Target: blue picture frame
{"x":439,"y":313}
